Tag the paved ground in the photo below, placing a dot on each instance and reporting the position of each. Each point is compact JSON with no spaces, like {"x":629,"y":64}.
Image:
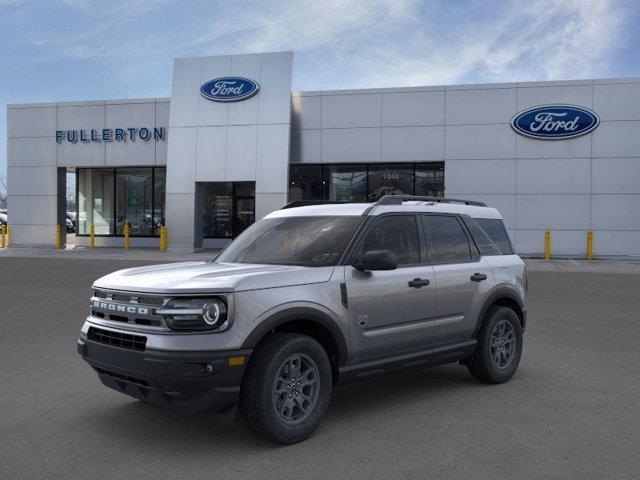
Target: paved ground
{"x":572,"y":410}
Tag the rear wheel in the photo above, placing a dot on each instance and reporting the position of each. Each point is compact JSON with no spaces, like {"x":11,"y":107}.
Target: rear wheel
{"x":499,"y":346}
{"x":287,"y":388}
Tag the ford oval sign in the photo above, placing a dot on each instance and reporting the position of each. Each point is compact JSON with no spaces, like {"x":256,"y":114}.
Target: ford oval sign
{"x":229,"y":89}
{"x":555,"y":122}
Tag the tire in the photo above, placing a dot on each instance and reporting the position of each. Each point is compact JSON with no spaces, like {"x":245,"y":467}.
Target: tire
{"x":495,"y":360}
{"x":276,"y":405}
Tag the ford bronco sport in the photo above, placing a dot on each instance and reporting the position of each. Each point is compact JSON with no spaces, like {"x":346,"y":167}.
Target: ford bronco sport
{"x":310,"y":297}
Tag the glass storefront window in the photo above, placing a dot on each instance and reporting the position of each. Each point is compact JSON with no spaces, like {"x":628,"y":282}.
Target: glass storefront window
{"x":109,"y":198}
{"x":430,"y":179}
{"x":95,"y":201}
{"x":345,"y":183}
{"x":393,"y":179}
{"x":305,"y":182}
{"x":134,"y":193}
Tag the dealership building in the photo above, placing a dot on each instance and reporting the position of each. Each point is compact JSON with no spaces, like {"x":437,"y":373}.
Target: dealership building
{"x":233,"y":143}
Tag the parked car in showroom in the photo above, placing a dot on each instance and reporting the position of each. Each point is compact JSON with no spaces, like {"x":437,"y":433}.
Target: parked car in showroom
{"x":308,"y":298}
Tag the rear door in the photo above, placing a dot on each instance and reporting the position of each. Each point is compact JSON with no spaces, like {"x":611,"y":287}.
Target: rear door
{"x":462,"y":278}
{"x":390,"y":312}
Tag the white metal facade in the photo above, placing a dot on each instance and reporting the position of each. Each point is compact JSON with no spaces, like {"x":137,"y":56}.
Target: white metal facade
{"x":568,"y":186}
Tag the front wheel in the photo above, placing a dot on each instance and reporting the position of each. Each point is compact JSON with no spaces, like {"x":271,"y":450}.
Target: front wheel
{"x":287,"y":388}
{"x":499,"y":347}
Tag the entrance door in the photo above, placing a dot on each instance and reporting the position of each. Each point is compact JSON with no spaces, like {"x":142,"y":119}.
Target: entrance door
{"x":244,"y":214}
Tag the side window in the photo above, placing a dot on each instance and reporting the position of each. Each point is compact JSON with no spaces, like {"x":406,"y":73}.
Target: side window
{"x":494,"y":228}
{"x":484,"y":243}
{"x":449,"y":243}
{"x":398,"y":233}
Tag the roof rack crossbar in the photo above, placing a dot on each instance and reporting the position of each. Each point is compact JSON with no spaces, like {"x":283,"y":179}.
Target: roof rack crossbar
{"x":400,"y":199}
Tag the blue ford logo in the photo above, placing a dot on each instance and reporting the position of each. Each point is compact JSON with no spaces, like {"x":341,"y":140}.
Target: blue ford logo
{"x":555,"y":122}
{"x":229,"y":89}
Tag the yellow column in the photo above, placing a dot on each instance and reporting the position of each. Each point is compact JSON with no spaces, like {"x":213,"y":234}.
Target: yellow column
{"x":92,"y":237}
{"x":163,"y":238}
{"x":3,"y":234}
{"x":589,"y":245}
{"x":547,"y":244}
{"x":126,"y":236}
{"x":58,"y":236}
{"x":8,"y":234}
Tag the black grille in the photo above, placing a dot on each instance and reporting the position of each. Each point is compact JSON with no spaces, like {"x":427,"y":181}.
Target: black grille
{"x":117,"y":339}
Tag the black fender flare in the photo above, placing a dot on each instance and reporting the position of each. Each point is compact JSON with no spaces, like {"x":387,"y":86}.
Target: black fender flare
{"x":503,"y":290}
{"x":300,"y":313}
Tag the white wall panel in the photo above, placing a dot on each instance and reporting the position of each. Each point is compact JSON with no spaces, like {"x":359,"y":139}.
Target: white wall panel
{"x":617,"y":139}
{"x":615,"y":212}
{"x":412,"y":143}
{"x":82,"y":117}
{"x":616,"y":243}
{"x":306,"y":146}
{"x":32,"y":122}
{"x":36,"y":235}
{"x":350,"y":145}
{"x":306,"y":112}
{"x":496,"y":105}
{"x":211,"y":154}
{"x":275,"y":92}
{"x":479,"y":141}
{"x":246,"y":111}
{"x":268,"y":202}
{"x":185,"y":92}
{"x":567,"y":94}
{"x":563,"y":242}
{"x":32,"y":209}
{"x":162,"y":120}
{"x":564,"y":212}
{"x":346,"y":111}
{"x":81,"y":154}
{"x":412,"y":108}
{"x":273,"y":155}
{"x":208,"y":112}
{"x":32,"y":180}
{"x":480,"y":176}
{"x":559,"y":175}
{"x":32,"y":152}
{"x":617,"y":102}
{"x":505,"y":203}
{"x":574,"y":148}
{"x":616,"y":175}
{"x":181,"y":170}
{"x":241,"y":152}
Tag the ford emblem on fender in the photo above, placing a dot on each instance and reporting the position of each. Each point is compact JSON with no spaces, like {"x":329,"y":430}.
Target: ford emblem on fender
{"x":229,"y":89}
{"x":555,"y":122}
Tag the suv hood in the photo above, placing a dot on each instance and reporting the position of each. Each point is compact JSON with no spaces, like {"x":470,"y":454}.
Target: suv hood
{"x":206,"y":277}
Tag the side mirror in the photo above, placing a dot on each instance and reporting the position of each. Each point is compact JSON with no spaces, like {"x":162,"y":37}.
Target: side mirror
{"x":378,"y":260}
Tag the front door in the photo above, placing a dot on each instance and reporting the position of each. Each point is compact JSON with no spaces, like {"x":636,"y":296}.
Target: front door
{"x":391,"y":312}
{"x":244,"y":214}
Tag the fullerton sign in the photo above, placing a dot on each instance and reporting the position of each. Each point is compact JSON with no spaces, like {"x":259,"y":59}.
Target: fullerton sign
{"x":110,"y":135}
{"x":555,"y":122}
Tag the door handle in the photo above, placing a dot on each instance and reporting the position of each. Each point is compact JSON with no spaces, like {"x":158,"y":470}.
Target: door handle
{"x":478,"y":277}
{"x":418,"y":283}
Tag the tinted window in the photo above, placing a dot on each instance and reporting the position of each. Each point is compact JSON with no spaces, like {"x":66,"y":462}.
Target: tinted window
{"x":396,"y":233}
{"x":430,"y":179}
{"x":304,"y":241}
{"x":390,"y":180}
{"x":449,"y":243}
{"x":345,"y":183}
{"x":494,"y":228}
{"x":484,"y":243}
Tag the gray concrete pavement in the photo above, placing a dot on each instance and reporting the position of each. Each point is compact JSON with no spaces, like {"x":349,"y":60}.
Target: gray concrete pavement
{"x":571,"y":411}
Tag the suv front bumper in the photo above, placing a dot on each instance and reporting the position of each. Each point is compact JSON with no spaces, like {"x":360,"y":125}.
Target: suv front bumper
{"x":195,"y":381}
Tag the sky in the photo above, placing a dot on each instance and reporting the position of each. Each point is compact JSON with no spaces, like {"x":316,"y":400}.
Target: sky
{"x":87,"y":50}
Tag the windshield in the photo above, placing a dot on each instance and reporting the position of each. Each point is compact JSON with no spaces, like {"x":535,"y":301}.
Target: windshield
{"x":304,"y":241}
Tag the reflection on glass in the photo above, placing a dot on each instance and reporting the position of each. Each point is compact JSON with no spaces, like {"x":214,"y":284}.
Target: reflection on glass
{"x":159,"y":194}
{"x":430,"y":180}
{"x":345,"y":183}
{"x":305,"y":182}
{"x":390,"y":180}
{"x":134,"y":194}
{"x":95,"y":201}
{"x":227,"y":208}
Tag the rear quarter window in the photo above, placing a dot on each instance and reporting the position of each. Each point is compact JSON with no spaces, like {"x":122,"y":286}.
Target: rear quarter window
{"x":495,"y":230}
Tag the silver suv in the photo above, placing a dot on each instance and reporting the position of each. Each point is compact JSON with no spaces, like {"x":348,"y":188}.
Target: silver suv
{"x":310,"y":297}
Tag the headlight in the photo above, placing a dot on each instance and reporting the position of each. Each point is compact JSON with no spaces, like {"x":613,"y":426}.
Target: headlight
{"x":195,"y":314}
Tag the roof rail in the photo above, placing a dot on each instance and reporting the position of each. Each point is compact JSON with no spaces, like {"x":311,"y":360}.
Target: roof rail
{"x":307,"y":203}
{"x":399,"y":199}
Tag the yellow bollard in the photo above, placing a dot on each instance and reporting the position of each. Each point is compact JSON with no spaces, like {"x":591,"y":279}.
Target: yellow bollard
{"x":8,"y":235}
{"x":58,"y":237}
{"x":3,"y":234}
{"x":163,"y":238}
{"x":589,"y":245}
{"x":92,"y":237}
{"x":126,"y":237}
{"x":547,"y":244}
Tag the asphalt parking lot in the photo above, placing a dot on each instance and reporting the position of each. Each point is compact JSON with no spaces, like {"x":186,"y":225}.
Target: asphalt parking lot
{"x":571,"y":411}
